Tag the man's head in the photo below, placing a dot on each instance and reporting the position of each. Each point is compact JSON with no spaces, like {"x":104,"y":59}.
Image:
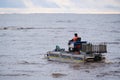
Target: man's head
{"x":75,"y":34}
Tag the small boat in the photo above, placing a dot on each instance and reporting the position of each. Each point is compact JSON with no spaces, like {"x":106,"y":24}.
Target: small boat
{"x":88,"y":52}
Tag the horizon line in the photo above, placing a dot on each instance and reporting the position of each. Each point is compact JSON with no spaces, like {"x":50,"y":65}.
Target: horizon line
{"x":67,"y":13}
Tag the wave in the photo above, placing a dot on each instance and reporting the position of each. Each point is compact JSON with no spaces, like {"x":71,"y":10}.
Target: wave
{"x":26,"y":28}
{"x":14,"y":74}
{"x":27,"y":63}
{"x":65,"y":21}
{"x":115,"y":31}
{"x":115,"y":22}
{"x":112,"y":42}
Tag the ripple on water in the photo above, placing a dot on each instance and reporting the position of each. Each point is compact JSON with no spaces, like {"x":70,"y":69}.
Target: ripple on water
{"x":14,"y":74}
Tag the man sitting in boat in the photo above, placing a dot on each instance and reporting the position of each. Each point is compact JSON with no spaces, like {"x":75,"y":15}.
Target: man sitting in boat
{"x":74,"y":44}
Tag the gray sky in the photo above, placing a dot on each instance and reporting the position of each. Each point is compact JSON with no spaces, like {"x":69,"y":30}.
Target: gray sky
{"x":59,"y":6}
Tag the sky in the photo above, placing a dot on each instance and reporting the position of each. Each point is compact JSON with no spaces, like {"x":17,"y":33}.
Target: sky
{"x":60,"y":6}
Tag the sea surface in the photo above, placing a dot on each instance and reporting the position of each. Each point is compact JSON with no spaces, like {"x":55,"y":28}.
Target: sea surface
{"x":25,"y":39}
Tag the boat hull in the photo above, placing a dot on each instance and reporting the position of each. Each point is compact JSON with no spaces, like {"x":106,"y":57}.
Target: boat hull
{"x":65,"y":57}
{"x":72,"y":57}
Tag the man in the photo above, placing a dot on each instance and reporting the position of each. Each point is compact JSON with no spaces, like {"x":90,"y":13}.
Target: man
{"x":75,"y":38}
{"x":76,"y":42}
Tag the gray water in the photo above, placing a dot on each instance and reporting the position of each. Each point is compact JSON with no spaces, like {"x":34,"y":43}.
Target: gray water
{"x":25,"y":39}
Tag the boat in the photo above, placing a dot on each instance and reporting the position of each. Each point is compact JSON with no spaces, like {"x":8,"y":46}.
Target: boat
{"x":88,"y":52}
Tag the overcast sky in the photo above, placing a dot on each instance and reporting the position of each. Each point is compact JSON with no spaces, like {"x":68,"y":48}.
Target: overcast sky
{"x":59,"y":6}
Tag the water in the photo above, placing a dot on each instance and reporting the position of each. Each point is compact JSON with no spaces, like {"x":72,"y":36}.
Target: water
{"x":25,"y":39}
